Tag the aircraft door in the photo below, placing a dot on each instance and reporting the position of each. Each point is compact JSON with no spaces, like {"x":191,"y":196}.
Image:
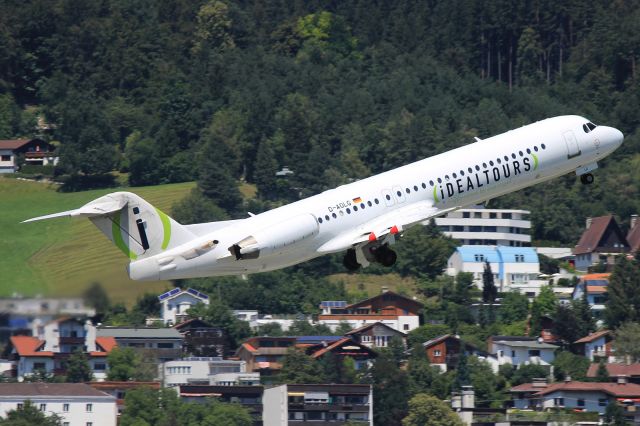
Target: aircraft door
{"x":388,"y":197}
{"x":573,"y":149}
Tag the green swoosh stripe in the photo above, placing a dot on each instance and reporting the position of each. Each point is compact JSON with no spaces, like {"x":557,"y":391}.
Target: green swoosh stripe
{"x":166,"y":229}
{"x":117,"y":237}
{"x":435,"y":194}
{"x":535,"y":161}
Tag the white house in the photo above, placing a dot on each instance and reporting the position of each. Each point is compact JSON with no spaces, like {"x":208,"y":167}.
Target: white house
{"x":175,"y":304}
{"x":208,"y":371}
{"x":75,"y":403}
{"x":512,"y":267}
{"x":522,"y":352}
{"x":596,"y":346}
{"x":480,"y":226}
{"x":35,"y":151}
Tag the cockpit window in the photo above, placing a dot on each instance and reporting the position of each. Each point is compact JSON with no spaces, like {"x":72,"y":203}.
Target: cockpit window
{"x":588,"y":127}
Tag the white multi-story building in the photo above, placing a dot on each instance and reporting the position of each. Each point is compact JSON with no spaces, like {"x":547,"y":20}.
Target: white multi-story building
{"x":75,"y":403}
{"x":512,"y":267}
{"x":208,"y":371}
{"x":522,"y":352}
{"x":175,"y":304}
{"x":480,"y":226}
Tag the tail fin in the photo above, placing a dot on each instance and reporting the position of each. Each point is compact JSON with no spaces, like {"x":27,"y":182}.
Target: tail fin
{"x":137,"y":228}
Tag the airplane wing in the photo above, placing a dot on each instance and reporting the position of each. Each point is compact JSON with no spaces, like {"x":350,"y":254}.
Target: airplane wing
{"x":390,"y":223}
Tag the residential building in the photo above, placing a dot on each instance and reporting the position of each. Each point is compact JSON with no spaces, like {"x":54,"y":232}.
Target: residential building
{"x":444,"y":352}
{"x":398,"y":312}
{"x":596,"y":346}
{"x":119,"y":390}
{"x":201,"y":339}
{"x":579,"y":396}
{"x":298,"y":404}
{"x":75,"y":403}
{"x":481,"y":226}
{"x":340,"y":347}
{"x":257,"y":320}
{"x":53,"y":343}
{"x":601,"y":241}
{"x":517,"y":351}
{"x":463,"y":403}
{"x":264,"y":354}
{"x":35,"y":151}
{"x":164,"y":344}
{"x":18,"y":314}
{"x":249,"y":397}
{"x":596,"y":287}
{"x":175,"y":303}
{"x":376,"y":335}
{"x":207,"y":371}
{"x":617,"y":370}
{"x":512,"y":267}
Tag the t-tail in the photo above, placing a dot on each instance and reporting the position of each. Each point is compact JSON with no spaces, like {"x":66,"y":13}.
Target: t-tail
{"x":137,"y":228}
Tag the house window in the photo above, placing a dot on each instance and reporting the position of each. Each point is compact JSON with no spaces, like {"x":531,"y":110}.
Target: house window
{"x":43,"y":407}
{"x":165,"y":345}
{"x":89,"y":423}
{"x":365,"y":338}
{"x":513,"y":354}
{"x":6,"y":158}
{"x":500,"y":354}
{"x":466,"y":215}
{"x":534,"y":352}
{"x":20,"y":405}
{"x":405,"y":327}
{"x":602,"y":402}
{"x":506,"y":215}
{"x":519,"y":258}
{"x":65,"y":407}
{"x":100,"y":366}
{"x":558,"y":402}
{"x":89,"y":408}
{"x":479,"y":257}
{"x":437,"y":352}
{"x":581,"y":402}
{"x":39,"y":365}
{"x":65,"y":424}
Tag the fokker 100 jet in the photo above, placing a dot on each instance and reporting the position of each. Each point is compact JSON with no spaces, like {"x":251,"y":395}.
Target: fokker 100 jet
{"x":363,"y":218}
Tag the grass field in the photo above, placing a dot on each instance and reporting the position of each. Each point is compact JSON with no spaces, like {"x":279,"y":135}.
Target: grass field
{"x":62,"y":257}
{"x":373,"y":284}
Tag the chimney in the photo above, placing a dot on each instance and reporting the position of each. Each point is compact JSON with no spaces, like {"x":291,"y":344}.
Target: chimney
{"x":468,"y":397}
{"x":622,"y":379}
{"x":634,"y":220}
{"x":539,"y":382}
{"x":456,"y":402}
{"x":588,"y":224}
{"x":384,"y":289}
{"x":567,"y":378}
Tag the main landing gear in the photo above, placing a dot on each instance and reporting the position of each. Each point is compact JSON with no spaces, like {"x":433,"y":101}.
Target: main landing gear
{"x":381,"y":254}
{"x":587,"y":179}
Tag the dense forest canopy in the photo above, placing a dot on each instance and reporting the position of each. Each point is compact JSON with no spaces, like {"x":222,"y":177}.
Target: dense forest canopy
{"x":220,"y":91}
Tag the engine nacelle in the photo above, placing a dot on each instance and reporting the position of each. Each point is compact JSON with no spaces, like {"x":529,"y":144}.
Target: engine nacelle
{"x":276,"y":238}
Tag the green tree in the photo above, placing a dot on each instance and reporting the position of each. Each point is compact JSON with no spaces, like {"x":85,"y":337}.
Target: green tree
{"x":489,"y":289}
{"x":624,"y":293}
{"x":299,"y":367}
{"x":567,"y":364}
{"x":29,"y":415}
{"x":218,"y":314}
{"x":543,"y":305}
{"x":463,"y":375}
{"x":462,"y":289}
{"x":421,"y":373}
{"x":627,"y":342}
{"x":96,"y":297}
{"x":513,"y":307}
{"x":424,"y":251}
{"x":614,"y":415}
{"x":150,"y":407}
{"x":390,"y":390}
{"x":78,"y":368}
{"x":602,"y":374}
{"x":196,"y":208}
{"x":126,"y":364}
{"x":213,"y":27}
{"x":526,"y":374}
{"x":426,"y":409}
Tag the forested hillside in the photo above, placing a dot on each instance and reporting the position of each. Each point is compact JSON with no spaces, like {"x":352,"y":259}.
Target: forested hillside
{"x":222,"y":91}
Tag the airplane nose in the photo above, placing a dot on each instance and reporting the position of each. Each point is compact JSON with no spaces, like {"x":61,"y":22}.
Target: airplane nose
{"x":617,"y":136}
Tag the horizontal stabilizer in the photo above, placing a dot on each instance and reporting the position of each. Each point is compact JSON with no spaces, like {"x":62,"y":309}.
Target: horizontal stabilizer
{"x":88,"y":210}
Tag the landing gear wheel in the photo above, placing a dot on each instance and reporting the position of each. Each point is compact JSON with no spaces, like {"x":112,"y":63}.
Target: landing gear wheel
{"x":587,"y":179}
{"x":385,"y":256}
{"x":349,"y":260}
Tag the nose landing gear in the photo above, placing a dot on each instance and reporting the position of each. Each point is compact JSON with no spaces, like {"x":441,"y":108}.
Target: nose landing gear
{"x":587,"y":179}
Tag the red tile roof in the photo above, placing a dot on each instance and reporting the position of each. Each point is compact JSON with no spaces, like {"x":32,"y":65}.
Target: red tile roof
{"x":106,"y":343}
{"x":13,"y":143}
{"x":591,"y":237}
{"x":29,"y":346}
{"x":593,"y":336}
{"x":51,"y":389}
{"x":616,"y":370}
{"x":614,"y":389}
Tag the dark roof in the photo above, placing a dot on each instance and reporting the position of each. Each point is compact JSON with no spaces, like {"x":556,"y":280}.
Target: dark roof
{"x":616,"y":370}
{"x":592,"y":237}
{"x":593,"y":336}
{"x":50,"y":389}
{"x":614,"y":389}
{"x":195,"y":390}
{"x":13,"y":143}
{"x":331,"y":388}
{"x":387,"y":294}
{"x":368,"y":326}
{"x":444,"y":337}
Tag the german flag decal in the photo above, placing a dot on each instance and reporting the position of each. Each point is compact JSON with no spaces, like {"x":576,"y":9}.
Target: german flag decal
{"x":357,"y":200}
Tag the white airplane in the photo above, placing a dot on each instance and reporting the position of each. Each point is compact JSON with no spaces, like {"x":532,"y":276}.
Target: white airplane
{"x":364,"y":218}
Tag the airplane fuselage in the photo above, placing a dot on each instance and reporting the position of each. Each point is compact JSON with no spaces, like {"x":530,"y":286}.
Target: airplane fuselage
{"x":467,"y":175}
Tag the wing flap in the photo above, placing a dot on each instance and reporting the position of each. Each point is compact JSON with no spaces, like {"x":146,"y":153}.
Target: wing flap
{"x":380,"y":227}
